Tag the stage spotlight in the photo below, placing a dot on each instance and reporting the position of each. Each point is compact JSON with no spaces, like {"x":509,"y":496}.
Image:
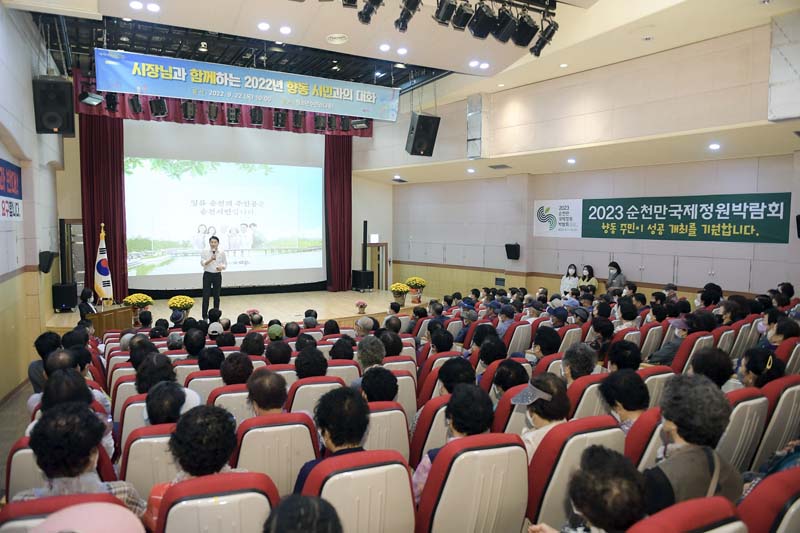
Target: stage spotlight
{"x":256,"y":116}
{"x":213,"y":111}
{"x":483,"y":21}
{"x":544,"y":38}
{"x":189,"y":110}
{"x":369,"y":9}
{"x":298,"y":119}
{"x":409,"y":7}
{"x":444,"y":11}
{"x":462,"y":15}
{"x":331,"y":122}
{"x":135,"y":103}
{"x":526,"y":30}
{"x":92,"y":99}
{"x":234,"y":115}
{"x":319,"y":122}
{"x":279,"y":119}
{"x":506,"y":25}
{"x":359,"y":123}
{"x":350,"y":3}
{"x":345,"y":124}
{"x":158,"y":107}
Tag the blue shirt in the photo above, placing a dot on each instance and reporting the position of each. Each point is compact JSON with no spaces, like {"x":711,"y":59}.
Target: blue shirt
{"x":309,"y":466}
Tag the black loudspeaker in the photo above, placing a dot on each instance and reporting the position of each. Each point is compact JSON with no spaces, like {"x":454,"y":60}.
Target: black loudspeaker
{"x":512,"y":251}
{"x":53,"y":105}
{"x":46,"y":261}
{"x":797,"y":225}
{"x":422,"y":134}
{"x":363,"y":280}
{"x":65,"y":296}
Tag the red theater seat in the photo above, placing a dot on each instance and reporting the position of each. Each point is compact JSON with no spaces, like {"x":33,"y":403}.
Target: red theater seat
{"x":203,"y":382}
{"x":746,"y":425}
{"x":347,"y":370}
{"x":430,"y":431}
{"x":431,"y":388}
{"x":643,"y":439}
{"x":774,"y":505}
{"x":22,"y":472}
{"x":655,"y":377}
{"x":783,"y":417}
{"x":652,"y":334}
{"x":490,"y":472}
{"x":700,"y":515}
{"x":510,"y":418}
{"x":789,"y":352}
{"x":146,"y":459}
{"x":434,"y":361}
{"x":471,"y":332}
{"x":692,"y":344}
{"x":233,"y":398}
{"x":304,"y":393}
{"x":401,"y":362}
{"x":549,"y":363}
{"x":570,"y":336}
{"x":584,"y":396}
{"x":388,"y":428}
{"x":724,"y":336}
{"x":18,"y":517}
{"x":407,"y":392}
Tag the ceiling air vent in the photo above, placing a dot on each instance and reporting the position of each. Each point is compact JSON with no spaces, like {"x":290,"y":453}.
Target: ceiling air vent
{"x":499,"y":167}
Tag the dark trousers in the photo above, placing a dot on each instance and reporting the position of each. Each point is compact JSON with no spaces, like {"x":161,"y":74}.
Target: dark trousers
{"x":212,"y":283}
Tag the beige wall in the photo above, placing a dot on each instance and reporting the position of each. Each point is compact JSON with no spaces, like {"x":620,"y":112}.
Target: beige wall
{"x":68,"y":180}
{"x":372,"y":202}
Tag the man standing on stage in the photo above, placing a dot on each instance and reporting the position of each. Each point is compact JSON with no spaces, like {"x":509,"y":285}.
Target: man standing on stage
{"x":213,"y":262}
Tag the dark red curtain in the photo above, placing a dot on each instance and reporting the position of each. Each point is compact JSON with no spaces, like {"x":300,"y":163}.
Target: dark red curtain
{"x":338,"y":210}
{"x":103,"y":196}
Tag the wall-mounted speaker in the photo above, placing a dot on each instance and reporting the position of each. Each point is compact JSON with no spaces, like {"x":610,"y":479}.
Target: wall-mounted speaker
{"x":422,"y":134}
{"x":53,"y":105}
{"x":46,"y":261}
{"x":512,"y":251}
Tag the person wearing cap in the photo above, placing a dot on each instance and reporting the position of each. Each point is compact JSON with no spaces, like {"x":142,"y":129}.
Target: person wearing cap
{"x":558,"y":317}
{"x":671,"y":290}
{"x":274,"y":332}
{"x":506,"y":318}
{"x":666,"y":353}
{"x":548,"y":405}
{"x":468,"y":316}
{"x":581,"y":316}
{"x":214,"y":330}
{"x":492,"y":310}
{"x":177,"y":317}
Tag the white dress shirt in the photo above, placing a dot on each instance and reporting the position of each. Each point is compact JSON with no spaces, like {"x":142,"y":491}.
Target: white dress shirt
{"x":220,"y":261}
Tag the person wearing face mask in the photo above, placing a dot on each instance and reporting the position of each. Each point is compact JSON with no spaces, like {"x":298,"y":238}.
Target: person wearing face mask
{"x":759,"y":367}
{"x":546,"y":341}
{"x":666,"y":353}
{"x":569,"y":280}
{"x":509,"y":373}
{"x":469,"y":412}
{"x":587,"y":279}
{"x":616,"y":279}
{"x":691,"y":467}
{"x":771,"y":338}
{"x":626,"y":397}
{"x":707,"y":299}
{"x":86,"y":306}
{"x":548,"y":406}
{"x":671,"y":290}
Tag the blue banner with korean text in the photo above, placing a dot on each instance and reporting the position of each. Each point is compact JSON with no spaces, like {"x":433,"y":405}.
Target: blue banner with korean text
{"x":10,"y":191}
{"x":131,"y":73}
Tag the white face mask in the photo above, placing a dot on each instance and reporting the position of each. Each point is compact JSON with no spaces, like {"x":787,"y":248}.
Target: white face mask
{"x":698,"y":302}
{"x":649,"y":318}
{"x":91,"y":299}
{"x":612,"y":271}
{"x":585,"y":273}
{"x":571,"y":271}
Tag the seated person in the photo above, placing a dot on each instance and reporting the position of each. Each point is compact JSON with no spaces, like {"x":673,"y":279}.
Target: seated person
{"x":604,"y":333}
{"x":379,"y":385}
{"x":509,"y":373}
{"x":628,"y":315}
{"x":393,"y":324}
{"x":695,"y":414}
{"x":468,"y":316}
{"x":342,"y":418}
{"x":45,"y":344}
{"x":468,"y":412}
{"x":783,"y":329}
{"x":658,"y":313}
{"x":392,"y":342}
{"x":624,"y":354}
{"x":266,"y":392}
{"x":62,"y":359}
{"x":201,"y":445}
{"x":211,"y":358}
{"x":759,"y":366}
{"x":717,"y":366}
{"x":342,"y":349}
{"x":238,"y":329}
{"x":581,"y":316}
{"x":506,"y":319}
{"x":602,"y":309}
{"x":546,"y":342}
{"x":667,"y":352}
{"x":165,"y":402}
{"x":253,"y":344}
{"x":157,"y":368}
{"x":558,"y":317}
{"x":225,"y":340}
{"x":371,"y":352}
{"x":236,"y":368}
{"x":304,"y":340}
{"x":578,"y":361}
{"x":174,"y":341}
{"x":548,"y":405}
{"x":194,"y":342}
{"x":492,"y":349}
{"x":310,"y":363}
{"x":607,"y":493}
{"x":626,"y":396}
{"x":65,"y":442}
{"x":275,"y":332}
{"x":278,"y":353}
{"x":454,"y":371}
{"x":309,"y":514}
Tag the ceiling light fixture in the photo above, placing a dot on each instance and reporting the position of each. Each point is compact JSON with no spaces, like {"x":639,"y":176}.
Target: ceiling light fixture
{"x":92,"y":99}
{"x":136,"y":5}
{"x":398,"y":179}
{"x":285,"y":30}
{"x":399,"y":65}
{"x":360,"y":123}
{"x":461,"y":17}
{"x":474,"y":63}
{"x":571,"y":161}
{"x":484,"y":66}
{"x":263,"y":26}
{"x":126,"y":19}
{"x":501,"y":84}
{"x":153,"y":8}
{"x":506,"y":25}
{"x":444,"y":11}
{"x":350,"y":3}
{"x":407,"y":10}
{"x":563,"y":65}
{"x":483,"y":21}
{"x":471,"y":170}
{"x":402,"y":51}
{"x":278,"y":42}
{"x":544,"y":38}
{"x":369,"y":9}
{"x":384,"y":47}
{"x":526,"y":30}
{"x":714,"y":146}
{"x":202,"y":47}
{"x":337,"y":38}
{"x":647,"y":38}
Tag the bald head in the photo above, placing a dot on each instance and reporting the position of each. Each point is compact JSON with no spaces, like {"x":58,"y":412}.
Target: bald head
{"x":59,"y":360}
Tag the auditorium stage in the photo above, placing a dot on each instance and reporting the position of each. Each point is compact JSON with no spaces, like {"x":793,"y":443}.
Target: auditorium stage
{"x":283,"y":306}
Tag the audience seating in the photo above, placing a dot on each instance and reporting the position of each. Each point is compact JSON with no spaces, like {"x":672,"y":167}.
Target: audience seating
{"x":407,"y":393}
{"x":476,"y":483}
{"x":213,"y":504}
{"x":739,"y":442}
{"x":131,"y":418}
{"x":347,"y":370}
{"x":146,"y":459}
{"x":570,"y":336}
{"x":669,"y":331}
{"x":724,"y":336}
{"x":183,"y":368}
{"x":454,"y":326}
{"x":774,"y":505}
{"x":304,"y":393}
{"x":276,"y":445}
{"x":510,"y":418}
{"x":124,"y":388}
{"x":584,"y":397}
{"x":741,"y":330}
{"x":518,"y":337}
{"x":258,"y":361}
{"x":700,"y":515}
{"x":401,"y":362}
{"x":655,"y":377}
{"x":430,"y":389}
{"x":22,"y":472}
{"x":370,"y":490}
{"x":435,"y":361}
{"x":430,"y":431}
{"x":471,"y":332}
{"x":388,"y":428}
{"x":421,"y":328}
{"x":21,"y":517}
{"x":752,"y":339}
{"x":558,"y":455}
{"x":585,"y":329}
{"x":627,"y":334}
{"x":789,"y":352}
{"x":644,"y":439}
{"x":487,"y":379}
{"x":549,"y":363}
{"x":651,"y":334}
{"x":287,"y":371}
{"x":234,"y":399}
{"x":203,"y":382}
{"x":409,"y":351}
{"x":783,"y":417}
{"x":692,"y":344}
{"x":120,"y":370}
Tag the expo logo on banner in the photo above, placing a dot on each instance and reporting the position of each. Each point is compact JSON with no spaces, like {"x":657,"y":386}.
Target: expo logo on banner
{"x":558,"y":218}
{"x":10,"y":191}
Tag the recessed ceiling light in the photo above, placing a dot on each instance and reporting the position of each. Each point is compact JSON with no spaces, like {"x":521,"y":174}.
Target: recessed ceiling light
{"x":399,"y":65}
{"x":337,"y":38}
{"x":124,"y":39}
{"x":402,"y":51}
{"x":285,"y":30}
{"x":714,"y":146}
{"x":484,"y":66}
{"x":202,"y":47}
{"x":501,"y":84}
{"x":136,"y":4}
{"x":647,"y":37}
{"x":571,"y":161}
{"x":384,"y":47}
{"x":126,"y":19}
{"x":471,"y":170}
{"x":153,"y":8}
{"x":564,"y":65}
{"x":474,"y":63}
{"x":263,"y":26}
{"x":278,"y":42}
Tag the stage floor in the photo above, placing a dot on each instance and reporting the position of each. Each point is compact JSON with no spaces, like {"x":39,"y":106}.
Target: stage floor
{"x":283,"y":306}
